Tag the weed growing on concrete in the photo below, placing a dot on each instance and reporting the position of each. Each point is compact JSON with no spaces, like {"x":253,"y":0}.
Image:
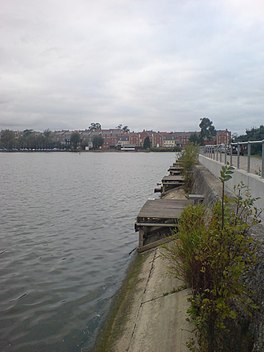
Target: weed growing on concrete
{"x":212,"y":252}
{"x":181,"y":251}
{"x":175,"y":290}
{"x":225,"y":175}
{"x":188,"y":159}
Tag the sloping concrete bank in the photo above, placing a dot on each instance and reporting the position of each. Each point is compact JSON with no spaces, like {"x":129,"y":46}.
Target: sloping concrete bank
{"x":149,"y":311}
{"x":209,"y":185}
{"x":150,"y":314}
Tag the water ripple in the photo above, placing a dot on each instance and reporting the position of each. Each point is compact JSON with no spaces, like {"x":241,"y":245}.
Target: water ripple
{"x":66,"y":231}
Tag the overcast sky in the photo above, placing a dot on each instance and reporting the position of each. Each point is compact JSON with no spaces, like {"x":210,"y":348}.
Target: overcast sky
{"x":148,"y":64}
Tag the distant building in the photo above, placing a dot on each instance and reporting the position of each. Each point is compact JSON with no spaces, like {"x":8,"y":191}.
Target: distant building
{"x":63,"y":137}
{"x":117,"y":138}
{"x":173,"y":139}
{"x":156,"y":140}
{"x":134,"y":138}
{"x":169,"y":141}
{"x":123,"y":141}
{"x":223,"y":137}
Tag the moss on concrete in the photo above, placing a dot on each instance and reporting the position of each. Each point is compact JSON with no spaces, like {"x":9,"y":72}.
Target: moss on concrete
{"x":120,"y":307}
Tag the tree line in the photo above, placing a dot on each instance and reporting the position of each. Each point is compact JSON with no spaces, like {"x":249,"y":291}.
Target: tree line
{"x":255,"y":134}
{"x":208,"y":133}
{"x":31,"y":140}
{"x":28,"y":139}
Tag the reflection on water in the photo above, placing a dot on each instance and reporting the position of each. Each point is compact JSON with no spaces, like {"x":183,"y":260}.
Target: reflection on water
{"x":66,"y":230}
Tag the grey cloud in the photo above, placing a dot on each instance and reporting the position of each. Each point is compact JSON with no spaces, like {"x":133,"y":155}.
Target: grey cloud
{"x":148,"y":64}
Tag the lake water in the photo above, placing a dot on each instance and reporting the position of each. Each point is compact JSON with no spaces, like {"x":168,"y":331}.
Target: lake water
{"x":66,"y":230}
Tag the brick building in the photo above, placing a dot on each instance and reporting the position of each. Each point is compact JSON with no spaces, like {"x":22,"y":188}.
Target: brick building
{"x":223,"y":137}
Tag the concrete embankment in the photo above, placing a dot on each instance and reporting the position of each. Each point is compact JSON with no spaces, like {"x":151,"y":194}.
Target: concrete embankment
{"x":149,"y":312}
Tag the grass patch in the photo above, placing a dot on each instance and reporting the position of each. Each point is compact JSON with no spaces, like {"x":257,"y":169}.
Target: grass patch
{"x":175,"y":290}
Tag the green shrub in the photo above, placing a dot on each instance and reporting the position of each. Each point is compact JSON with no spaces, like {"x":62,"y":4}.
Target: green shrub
{"x":219,"y":294}
{"x":212,"y":252}
{"x":188,"y":159}
{"x":181,"y":251}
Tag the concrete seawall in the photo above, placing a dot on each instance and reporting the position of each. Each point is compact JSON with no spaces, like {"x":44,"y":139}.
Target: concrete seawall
{"x":149,"y":312}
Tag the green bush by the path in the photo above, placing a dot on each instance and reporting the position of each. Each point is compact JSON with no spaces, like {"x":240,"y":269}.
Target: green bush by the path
{"x":212,"y":252}
{"x":188,"y":159}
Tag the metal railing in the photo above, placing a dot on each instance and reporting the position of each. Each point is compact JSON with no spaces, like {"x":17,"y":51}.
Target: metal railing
{"x":235,"y":151}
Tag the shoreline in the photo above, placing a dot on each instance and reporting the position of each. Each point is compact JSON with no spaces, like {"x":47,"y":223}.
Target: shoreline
{"x":121,"y":305}
{"x":91,"y":151}
{"x":148,"y":313}
{"x":155,"y":318}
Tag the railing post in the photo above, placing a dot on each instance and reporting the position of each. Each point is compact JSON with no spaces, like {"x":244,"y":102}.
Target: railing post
{"x":248,"y":161}
{"x":262,"y":172}
{"x":213,"y":153}
{"x":238,"y":156}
